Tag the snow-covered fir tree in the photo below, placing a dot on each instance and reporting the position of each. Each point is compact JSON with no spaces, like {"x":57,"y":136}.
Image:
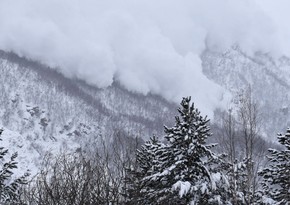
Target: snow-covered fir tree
{"x":9,"y":185}
{"x":276,"y":177}
{"x":139,"y":191}
{"x":237,"y":177}
{"x":185,"y":170}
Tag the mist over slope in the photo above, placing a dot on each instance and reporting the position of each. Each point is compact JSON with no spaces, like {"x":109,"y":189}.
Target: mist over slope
{"x":165,"y":48}
{"x":42,"y":112}
{"x":146,"y":46}
{"x":268,"y":78}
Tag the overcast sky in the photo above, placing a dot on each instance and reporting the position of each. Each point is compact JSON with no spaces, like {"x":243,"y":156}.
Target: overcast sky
{"x":146,"y":45}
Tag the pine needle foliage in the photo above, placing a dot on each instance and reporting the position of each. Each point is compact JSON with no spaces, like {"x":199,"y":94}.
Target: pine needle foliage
{"x":9,"y":185}
{"x":276,"y":177}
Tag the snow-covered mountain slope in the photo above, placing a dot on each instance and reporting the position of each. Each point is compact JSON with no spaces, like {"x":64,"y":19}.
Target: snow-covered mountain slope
{"x":269,"y":79}
{"x":42,"y":111}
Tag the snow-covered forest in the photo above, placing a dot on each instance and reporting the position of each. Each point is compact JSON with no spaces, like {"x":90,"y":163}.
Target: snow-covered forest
{"x":144,"y":102}
{"x":184,"y":167}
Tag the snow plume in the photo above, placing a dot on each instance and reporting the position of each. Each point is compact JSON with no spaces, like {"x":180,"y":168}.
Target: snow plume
{"x":145,"y":45}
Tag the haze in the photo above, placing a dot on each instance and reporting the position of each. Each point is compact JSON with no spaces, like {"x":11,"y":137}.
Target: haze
{"x":147,"y":46}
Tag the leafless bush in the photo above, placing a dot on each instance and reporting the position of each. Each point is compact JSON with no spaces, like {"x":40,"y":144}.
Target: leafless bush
{"x":74,"y":179}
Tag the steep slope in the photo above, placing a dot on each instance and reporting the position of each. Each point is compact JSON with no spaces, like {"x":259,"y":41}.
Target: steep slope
{"x":269,"y":79}
{"x":42,"y":111}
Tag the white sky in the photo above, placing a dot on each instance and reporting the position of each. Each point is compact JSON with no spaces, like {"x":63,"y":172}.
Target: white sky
{"x":146,"y":45}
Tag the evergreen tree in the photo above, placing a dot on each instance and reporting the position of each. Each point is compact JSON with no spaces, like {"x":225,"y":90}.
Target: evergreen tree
{"x":138,"y":191}
{"x":237,"y":177}
{"x":9,"y":187}
{"x":276,"y":177}
{"x":187,"y":171}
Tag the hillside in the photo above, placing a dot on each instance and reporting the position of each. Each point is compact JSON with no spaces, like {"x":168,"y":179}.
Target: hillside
{"x":269,"y":80}
{"x":42,"y":111}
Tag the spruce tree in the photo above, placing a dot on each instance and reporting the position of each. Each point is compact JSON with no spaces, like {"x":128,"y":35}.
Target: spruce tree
{"x":139,"y":191}
{"x":237,"y":178}
{"x":187,"y":172}
{"x":183,"y":170}
{"x":9,"y":186}
{"x":276,"y":177}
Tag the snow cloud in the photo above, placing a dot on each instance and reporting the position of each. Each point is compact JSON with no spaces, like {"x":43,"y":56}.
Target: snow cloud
{"x":145,"y":45}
